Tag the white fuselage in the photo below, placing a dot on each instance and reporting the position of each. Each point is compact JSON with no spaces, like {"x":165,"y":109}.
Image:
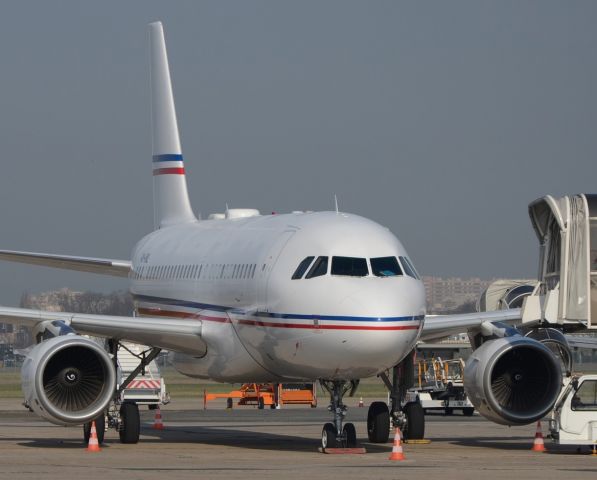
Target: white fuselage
{"x":235,"y":276}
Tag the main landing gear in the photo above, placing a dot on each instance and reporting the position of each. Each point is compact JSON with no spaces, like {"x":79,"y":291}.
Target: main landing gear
{"x":405,"y":411}
{"x":123,"y":416}
{"x":336,"y":435}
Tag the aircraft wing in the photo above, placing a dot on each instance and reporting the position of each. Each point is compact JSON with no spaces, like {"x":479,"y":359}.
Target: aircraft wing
{"x":439,"y":326}
{"x":103,"y":266}
{"x":180,"y":335}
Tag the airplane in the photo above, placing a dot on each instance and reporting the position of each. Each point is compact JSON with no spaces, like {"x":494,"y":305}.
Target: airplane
{"x":306,"y":296}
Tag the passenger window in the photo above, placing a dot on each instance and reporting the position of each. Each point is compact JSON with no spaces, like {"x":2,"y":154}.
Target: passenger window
{"x":319,"y":268}
{"x":409,"y":268}
{"x":349,"y":266}
{"x":302,"y":268}
{"x":385,"y":267}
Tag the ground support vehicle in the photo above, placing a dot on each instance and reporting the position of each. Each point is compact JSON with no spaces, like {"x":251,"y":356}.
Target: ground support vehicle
{"x":574,"y":417}
{"x":273,"y":395}
{"x":148,"y":387}
{"x":439,"y":386}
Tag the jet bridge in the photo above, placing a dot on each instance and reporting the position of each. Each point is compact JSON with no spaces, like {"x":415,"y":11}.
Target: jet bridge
{"x":566,"y":294}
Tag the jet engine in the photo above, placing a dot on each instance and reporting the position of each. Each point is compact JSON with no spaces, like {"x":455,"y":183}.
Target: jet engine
{"x":68,"y":380}
{"x":513,"y":380}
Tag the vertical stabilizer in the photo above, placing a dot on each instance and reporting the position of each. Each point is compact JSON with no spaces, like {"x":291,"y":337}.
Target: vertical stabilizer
{"x":170,"y":197}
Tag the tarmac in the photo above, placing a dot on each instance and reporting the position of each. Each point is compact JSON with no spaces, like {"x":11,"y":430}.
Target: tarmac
{"x":277,"y":444}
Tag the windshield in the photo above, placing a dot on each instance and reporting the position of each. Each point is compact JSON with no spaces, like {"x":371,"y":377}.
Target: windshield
{"x":349,"y":266}
{"x":385,"y":267}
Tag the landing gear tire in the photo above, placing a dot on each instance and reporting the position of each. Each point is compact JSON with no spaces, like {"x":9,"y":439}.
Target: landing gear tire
{"x":468,"y":412}
{"x":260,"y":403}
{"x":100,"y":427}
{"x":378,"y":422}
{"x":415,"y":422}
{"x":448,"y":411}
{"x":328,"y":436}
{"x":350,"y":435}
{"x":130,"y":426}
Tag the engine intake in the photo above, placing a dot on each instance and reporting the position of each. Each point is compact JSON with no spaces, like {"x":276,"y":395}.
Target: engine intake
{"x":513,"y":380}
{"x":68,"y":379}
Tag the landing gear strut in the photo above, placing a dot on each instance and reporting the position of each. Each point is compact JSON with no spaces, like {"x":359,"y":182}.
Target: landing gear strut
{"x":404,"y":412}
{"x":336,"y":435}
{"x":123,"y":416}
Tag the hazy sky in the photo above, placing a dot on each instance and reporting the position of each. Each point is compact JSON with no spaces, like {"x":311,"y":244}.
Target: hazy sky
{"x":441,"y":120}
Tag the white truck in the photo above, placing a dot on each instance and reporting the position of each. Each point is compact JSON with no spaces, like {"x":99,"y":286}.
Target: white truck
{"x":148,"y":387}
{"x":574,"y":418}
{"x":439,"y":386}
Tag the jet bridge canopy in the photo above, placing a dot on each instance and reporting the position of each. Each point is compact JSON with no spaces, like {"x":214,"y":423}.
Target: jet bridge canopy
{"x":567,"y":233}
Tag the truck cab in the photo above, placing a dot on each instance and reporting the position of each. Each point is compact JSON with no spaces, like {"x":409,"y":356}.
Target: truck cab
{"x":574,"y":418}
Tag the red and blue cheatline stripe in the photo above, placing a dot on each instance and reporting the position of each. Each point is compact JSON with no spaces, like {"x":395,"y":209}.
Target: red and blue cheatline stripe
{"x":162,"y":307}
{"x":168,"y":164}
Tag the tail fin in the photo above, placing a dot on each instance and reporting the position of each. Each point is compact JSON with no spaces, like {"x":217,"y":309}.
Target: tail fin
{"x":170,"y":196}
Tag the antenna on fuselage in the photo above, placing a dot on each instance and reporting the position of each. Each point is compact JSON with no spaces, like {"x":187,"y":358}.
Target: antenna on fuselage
{"x":336,"y":203}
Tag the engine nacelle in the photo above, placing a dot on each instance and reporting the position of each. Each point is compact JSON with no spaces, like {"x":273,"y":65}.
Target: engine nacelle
{"x":68,"y":380}
{"x":513,"y":380}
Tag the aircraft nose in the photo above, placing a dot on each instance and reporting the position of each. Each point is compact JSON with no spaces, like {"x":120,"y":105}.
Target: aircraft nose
{"x":386,"y":299}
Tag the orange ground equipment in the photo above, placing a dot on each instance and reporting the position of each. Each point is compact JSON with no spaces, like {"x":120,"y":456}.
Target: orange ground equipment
{"x":270,"y":394}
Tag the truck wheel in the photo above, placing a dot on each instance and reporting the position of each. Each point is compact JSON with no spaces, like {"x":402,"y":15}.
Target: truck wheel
{"x":415,"y":421}
{"x":468,"y":412}
{"x":130,"y":423}
{"x":378,"y":422}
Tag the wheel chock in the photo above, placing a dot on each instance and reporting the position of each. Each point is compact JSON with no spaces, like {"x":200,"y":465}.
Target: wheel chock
{"x":417,"y":441}
{"x":343,"y":451}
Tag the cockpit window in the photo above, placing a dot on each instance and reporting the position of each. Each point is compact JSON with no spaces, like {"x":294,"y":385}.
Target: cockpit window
{"x":409,"y":268}
{"x":302,"y":268}
{"x":319,"y":268}
{"x":350,"y":266}
{"x":385,"y":267}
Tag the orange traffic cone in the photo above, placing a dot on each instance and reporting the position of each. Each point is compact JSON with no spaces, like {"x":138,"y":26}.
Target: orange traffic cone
{"x":397,"y":448}
{"x":93,"y":445}
{"x":157,"y":422}
{"x":361,"y":404}
{"x":594,"y":451}
{"x":538,"y":444}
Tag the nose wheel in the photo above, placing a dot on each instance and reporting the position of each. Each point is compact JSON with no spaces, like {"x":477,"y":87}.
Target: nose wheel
{"x":337,"y":434}
{"x":330,"y":438}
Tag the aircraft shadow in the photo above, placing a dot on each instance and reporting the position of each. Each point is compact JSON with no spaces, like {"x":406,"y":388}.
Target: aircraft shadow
{"x":231,"y":437}
{"x":507,"y":443}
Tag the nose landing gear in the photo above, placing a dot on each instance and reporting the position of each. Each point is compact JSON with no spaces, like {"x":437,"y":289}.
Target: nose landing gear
{"x":337,"y":435}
